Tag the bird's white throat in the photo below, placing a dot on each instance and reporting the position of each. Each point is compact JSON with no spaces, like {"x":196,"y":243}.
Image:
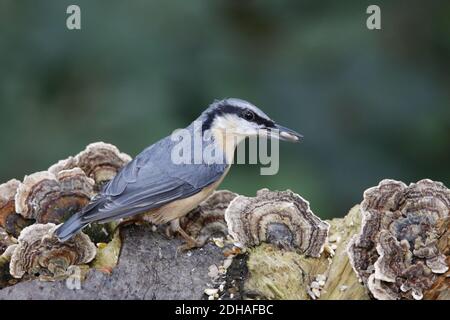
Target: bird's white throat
{"x":228,"y":132}
{"x":227,"y":142}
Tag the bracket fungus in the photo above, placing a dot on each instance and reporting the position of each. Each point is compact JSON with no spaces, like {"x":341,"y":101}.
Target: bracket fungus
{"x":12,"y":222}
{"x":208,"y":218}
{"x":400,"y":250}
{"x":39,"y":253}
{"x":47,"y":197}
{"x":100,"y":161}
{"x":279,"y":217}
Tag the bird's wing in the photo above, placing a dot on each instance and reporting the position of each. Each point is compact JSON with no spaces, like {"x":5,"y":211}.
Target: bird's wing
{"x":150,"y":181}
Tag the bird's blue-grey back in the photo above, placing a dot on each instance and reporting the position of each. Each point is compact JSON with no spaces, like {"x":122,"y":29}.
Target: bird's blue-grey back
{"x":149,"y":181}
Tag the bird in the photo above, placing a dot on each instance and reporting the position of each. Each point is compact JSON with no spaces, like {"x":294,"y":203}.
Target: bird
{"x":154,"y":188}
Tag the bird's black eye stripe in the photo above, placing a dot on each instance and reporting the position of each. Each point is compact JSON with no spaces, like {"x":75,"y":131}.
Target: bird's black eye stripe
{"x":265,"y":123}
{"x":262,"y":121}
{"x":247,"y":114}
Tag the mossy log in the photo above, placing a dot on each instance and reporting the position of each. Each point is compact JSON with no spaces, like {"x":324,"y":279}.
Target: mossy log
{"x":277,"y":273}
{"x":339,"y":259}
{"x":151,"y":267}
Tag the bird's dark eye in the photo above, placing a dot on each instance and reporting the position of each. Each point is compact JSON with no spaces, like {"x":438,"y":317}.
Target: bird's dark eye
{"x":248,"y":115}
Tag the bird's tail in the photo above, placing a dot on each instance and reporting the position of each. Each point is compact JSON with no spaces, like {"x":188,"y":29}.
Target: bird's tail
{"x":78,"y":221}
{"x":71,"y":227}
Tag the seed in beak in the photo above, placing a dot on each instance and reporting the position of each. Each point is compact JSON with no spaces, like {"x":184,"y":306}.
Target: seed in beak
{"x":289,"y":136}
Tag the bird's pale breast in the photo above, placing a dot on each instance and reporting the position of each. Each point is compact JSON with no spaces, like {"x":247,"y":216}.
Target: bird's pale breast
{"x":179,"y":208}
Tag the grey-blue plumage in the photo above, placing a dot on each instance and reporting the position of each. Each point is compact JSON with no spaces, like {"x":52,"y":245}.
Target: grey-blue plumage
{"x":154,"y":183}
{"x":149,"y":181}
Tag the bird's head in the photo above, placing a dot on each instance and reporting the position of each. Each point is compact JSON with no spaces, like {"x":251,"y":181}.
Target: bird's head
{"x":242,"y":119}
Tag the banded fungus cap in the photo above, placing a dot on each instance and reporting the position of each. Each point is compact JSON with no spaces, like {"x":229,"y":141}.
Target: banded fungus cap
{"x":47,"y":197}
{"x":7,"y":205}
{"x":399,"y":252}
{"x":100,"y":161}
{"x":12,"y":222}
{"x":208,"y":218}
{"x":279,"y":217}
{"x":40,"y":254}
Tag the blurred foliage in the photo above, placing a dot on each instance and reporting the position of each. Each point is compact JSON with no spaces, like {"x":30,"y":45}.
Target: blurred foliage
{"x":371,"y":104}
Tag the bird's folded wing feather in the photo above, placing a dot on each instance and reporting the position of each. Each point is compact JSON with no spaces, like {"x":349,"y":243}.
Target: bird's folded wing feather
{"x":150,"y":181}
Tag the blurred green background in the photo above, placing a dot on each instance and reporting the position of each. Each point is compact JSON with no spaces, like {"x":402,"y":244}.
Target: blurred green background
{"x":371,"y":104}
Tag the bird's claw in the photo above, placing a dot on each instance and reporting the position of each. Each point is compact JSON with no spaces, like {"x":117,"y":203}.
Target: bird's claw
{"x":169,"y":233}
{"x":188,"y":246}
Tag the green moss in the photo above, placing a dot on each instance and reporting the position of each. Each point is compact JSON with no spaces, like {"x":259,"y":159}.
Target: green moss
{"x":281,"y":274}
{"x":101,"y":233}
{"x":108,"y":254}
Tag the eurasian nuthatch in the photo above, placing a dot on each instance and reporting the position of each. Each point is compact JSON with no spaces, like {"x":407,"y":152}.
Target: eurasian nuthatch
{"x":155,"y":187}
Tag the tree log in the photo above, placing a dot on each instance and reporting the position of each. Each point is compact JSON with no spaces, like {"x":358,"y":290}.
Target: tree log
{"x":151,"y":267}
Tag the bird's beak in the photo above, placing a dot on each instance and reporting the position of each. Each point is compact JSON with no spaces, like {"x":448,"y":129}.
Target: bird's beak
{"x":287,"y":134}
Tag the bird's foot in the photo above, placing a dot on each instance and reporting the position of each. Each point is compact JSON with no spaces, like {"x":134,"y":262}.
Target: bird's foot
{"x":191,"y":243}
